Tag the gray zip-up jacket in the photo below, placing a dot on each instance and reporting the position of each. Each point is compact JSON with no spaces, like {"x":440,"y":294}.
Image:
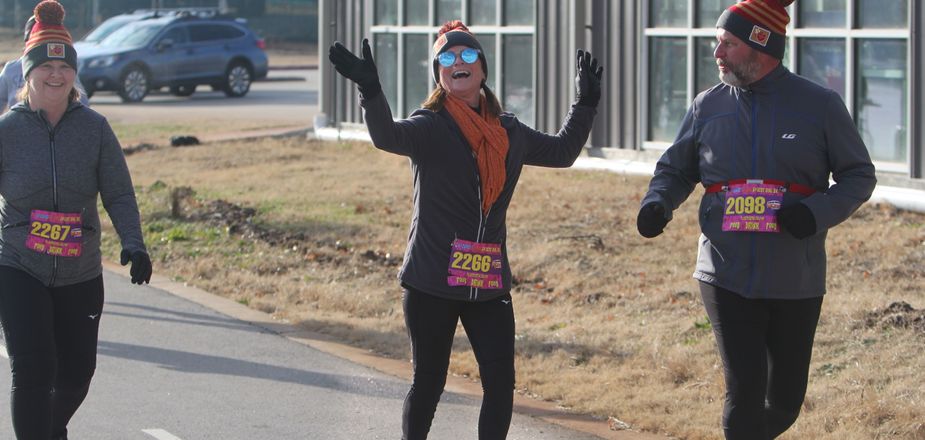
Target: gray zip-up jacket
{"x":447,"y":192}
{"x":782,"y":127}
{"x":62,"y":169}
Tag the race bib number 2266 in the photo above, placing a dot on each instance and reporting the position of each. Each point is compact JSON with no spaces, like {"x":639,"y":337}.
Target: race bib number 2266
{"x":475,"y":265}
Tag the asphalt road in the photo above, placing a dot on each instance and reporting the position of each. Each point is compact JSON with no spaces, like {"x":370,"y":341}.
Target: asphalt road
{"x":288,"y":97}
{"x":171,"y":369}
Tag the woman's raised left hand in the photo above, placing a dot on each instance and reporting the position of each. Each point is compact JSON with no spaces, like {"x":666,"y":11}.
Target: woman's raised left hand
{"x":588,"y":79}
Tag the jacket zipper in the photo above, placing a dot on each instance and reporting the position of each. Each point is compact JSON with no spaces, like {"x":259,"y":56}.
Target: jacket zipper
{"x":753,"y":244}
{"x":54,"y":185}
{"x":483,"y":220}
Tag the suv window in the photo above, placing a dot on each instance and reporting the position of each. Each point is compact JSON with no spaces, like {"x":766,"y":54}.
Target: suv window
{"x":109,"y":26}
{"x":208,"y":32}
{"x":134,"y":34}
{"x":176,"y":34}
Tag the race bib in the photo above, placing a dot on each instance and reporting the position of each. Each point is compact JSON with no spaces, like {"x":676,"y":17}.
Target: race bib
{"x":55,"y":233}
{"x":752,"y":207}
{"x":475,"y":265}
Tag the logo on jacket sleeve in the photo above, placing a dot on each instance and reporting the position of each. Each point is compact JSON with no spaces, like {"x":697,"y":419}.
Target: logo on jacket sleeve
{"x":760,"y":35}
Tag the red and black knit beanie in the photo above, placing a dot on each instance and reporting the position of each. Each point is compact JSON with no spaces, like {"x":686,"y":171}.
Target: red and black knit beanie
{"x":762,"y":24}
{"x":47,"y":39}
{"x":455,"y":33}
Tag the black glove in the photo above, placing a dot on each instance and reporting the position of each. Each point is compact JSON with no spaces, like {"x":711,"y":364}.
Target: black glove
{"x":588,"y":79}
{"x":362,"y":71}
{"x":798,"y":219}
{"x":651,"y":220}
{"x":141,"y":265}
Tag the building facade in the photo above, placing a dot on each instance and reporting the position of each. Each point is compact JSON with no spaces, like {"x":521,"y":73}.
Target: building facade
{"x":658,"y":54}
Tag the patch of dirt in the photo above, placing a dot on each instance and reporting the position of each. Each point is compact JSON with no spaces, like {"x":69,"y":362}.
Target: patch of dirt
{"x":899,"y":314}
{"x":239,"y":221}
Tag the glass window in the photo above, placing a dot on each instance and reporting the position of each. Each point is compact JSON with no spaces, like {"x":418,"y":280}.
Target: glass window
{"x":386,"y":56}
{"x":823,"y":13}
{"x":488,"y":49}
{"x":417,"y":12}
{"x":107,"y":27}
{"x":668,"y":13}
{"x":134,"y":34}
{"x":483,"y":12}
{"x":889,"y":14}
{"x":448,"y":10}
{"x":823,"y":60}
{"x":882,"y":90}
{"x":707,"y":74}
{"x":518,"y":12}
{"x":518,"y":77}
{"x":176,"y":35}
{"x":418,"y":71}
{"x":708,"y":11}
{"x":667,"y":87}
{"x":386,"y":12}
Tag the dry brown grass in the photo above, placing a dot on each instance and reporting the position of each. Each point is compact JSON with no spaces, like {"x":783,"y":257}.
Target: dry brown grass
{"x":608,"y":323}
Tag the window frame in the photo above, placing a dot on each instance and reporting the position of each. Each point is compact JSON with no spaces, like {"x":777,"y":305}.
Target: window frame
{"x":850,"y":33}
{"x":497,"y":31}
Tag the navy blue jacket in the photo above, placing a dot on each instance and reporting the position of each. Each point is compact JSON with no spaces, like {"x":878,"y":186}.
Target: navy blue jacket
{"x":781,"y":127}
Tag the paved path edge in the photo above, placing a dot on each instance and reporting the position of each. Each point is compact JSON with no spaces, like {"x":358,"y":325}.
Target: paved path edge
{"x":546,"y":411}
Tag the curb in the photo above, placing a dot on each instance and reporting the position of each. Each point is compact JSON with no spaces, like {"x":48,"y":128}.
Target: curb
{"x":546,"y":411}
{"x":282,"y":79}
{"x":295,"y":67}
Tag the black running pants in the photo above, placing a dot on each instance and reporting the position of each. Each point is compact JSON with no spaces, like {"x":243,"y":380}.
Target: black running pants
{"x":51,"y":337}
{"x":766,"y":346}
{"x":431,"y":323}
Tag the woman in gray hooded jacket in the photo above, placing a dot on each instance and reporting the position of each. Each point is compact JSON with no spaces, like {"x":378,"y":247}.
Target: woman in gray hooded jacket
{"x":56,"y":157}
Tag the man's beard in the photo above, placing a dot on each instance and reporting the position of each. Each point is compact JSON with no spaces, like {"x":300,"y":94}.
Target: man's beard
{"x":742,"y":74}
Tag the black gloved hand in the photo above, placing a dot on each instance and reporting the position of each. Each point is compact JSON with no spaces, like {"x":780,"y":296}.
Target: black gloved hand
{"x":588,"y":79}
{"x":798,"y":219}
{"x":362,"y":71}
{"x":141,"y":265}
{"x":651,"y":220}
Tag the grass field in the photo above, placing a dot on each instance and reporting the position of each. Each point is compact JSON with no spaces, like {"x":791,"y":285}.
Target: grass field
{"x":608,"y":323}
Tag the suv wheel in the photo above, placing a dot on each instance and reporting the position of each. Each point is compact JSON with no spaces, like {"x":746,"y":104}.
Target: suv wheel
{"x":183,"y":90}
{"x":134,"y":84}
{"x":237,"y":80}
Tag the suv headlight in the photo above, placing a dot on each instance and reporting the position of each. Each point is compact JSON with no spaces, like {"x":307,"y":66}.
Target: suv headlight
{"x":96,"y":63}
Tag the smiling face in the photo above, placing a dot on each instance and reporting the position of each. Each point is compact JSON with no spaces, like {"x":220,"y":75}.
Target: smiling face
{"x":50,"y":83}
{"x":463,"y":80}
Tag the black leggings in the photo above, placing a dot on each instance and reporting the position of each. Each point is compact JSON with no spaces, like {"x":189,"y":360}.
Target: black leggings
{"x":766,"y":346}
{"x":51,"y":336}
{"x":431,"y":323}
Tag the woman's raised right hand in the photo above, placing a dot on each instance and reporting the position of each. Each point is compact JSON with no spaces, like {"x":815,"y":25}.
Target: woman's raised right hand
{"x":362,"y":71}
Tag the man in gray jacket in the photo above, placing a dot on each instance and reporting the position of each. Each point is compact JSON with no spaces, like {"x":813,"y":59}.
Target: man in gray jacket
{"x":764,"y":144}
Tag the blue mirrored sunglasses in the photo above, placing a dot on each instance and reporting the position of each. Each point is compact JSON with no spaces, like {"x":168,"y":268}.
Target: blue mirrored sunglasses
{"x":448,"y":58}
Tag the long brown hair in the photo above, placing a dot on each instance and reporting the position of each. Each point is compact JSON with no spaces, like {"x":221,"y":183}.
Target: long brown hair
{"x":437,"y":97}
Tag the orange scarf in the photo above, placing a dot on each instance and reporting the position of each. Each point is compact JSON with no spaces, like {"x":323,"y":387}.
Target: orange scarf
{"x":488,"y":140}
